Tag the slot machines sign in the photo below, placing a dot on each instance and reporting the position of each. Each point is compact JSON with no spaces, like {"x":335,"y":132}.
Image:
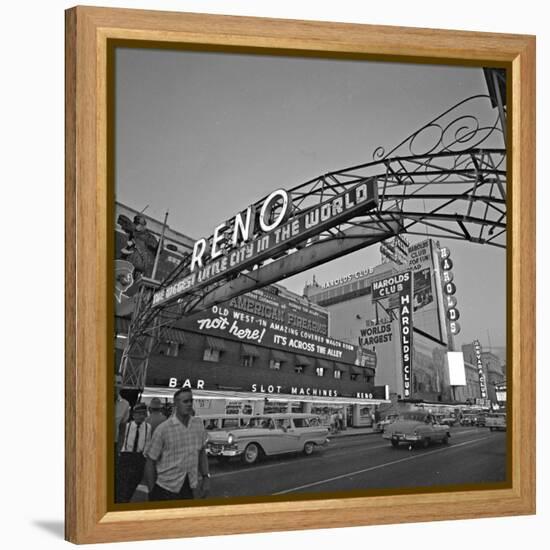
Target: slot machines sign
{"x":449,"y":290}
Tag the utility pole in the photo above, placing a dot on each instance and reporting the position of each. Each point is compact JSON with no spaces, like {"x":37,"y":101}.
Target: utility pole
{"x":159,"y":248}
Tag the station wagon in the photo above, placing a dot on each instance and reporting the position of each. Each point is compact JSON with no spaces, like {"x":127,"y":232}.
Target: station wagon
{"x":267,"y":435}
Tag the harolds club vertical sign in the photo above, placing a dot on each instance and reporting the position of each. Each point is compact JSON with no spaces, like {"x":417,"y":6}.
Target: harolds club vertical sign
{"x":405,"y":314}
{"x":401,"y":286}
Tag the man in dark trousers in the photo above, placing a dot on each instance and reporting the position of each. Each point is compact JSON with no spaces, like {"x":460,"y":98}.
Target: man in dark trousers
{"x":177,"y":465}
{"x":131,"y":462}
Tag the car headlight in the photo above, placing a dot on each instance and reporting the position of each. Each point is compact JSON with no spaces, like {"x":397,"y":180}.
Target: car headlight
{"x":230,"y":439}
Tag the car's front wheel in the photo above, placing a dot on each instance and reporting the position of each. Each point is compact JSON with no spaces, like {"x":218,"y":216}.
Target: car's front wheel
{"x":308,"y":448}
{"x":394,"y":443}
{"x":251,"y":453}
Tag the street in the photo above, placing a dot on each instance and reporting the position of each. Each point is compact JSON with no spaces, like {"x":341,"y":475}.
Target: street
{"x":474,"y":455}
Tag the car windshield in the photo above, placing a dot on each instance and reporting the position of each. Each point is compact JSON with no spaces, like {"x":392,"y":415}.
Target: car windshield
{"x":415,"y":417}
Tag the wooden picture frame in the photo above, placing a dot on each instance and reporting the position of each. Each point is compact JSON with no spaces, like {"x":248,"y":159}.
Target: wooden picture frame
{"x":88,"y":31}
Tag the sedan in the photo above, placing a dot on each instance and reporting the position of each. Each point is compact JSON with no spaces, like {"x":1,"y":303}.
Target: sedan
{"x":417,"y":429}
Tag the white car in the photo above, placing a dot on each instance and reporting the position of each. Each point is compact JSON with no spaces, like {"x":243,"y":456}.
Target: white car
{"x":267,"y":435}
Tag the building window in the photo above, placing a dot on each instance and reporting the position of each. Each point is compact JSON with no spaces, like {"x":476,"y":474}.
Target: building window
{"x":211,"y":355}
{"x":353,"y":376}
{"x":320,"y":371}
{"x":299,"y":369}
{"x":338,"y":374}
{"x":248,"y":360}
{"x":274,"y":365}
{"x":172,"y":349}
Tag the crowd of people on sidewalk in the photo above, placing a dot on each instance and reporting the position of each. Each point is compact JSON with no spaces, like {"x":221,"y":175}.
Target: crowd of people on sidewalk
{"x":162,"y":456}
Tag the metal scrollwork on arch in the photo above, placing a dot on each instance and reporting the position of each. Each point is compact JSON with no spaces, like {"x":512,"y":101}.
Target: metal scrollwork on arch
{"x":470,"y":124}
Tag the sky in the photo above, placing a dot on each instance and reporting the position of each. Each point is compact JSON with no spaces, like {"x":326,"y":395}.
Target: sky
{"x":203,"y":135}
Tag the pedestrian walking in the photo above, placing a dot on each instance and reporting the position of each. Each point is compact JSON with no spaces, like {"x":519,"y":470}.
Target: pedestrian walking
{"x":122,"y":413}
{"x":156,"y":415}
{"x":176,"y":463}
{"x":340,"y":418}
{"x":333,"y":422}
{"x":131,"y":462}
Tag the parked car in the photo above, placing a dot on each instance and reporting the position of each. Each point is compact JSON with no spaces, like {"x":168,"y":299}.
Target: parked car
{"x":381,"y":426}
{"x":267,"y":435}
{"x":481,"y":419}
{"x":417,"y":428}
{"x":495,"y":421}
{"x":449,"y":419}
{"x":473,"y":419}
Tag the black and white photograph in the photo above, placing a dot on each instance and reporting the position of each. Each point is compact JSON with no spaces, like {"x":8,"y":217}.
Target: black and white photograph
{"x":310,"y":276}
{"x":280,"y":274}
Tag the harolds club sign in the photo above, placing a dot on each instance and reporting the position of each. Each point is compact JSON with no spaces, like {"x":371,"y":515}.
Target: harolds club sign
{"x":261,"y":232}
{"x":400,"y":284}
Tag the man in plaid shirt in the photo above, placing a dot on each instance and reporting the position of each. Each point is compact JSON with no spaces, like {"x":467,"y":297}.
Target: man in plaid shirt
{"x":177,"y":465}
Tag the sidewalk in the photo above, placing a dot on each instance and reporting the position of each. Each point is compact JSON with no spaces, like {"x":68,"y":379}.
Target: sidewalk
{"x":349,"y":432}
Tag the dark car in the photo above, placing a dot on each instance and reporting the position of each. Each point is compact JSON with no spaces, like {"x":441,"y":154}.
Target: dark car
{"x":417,"y":428}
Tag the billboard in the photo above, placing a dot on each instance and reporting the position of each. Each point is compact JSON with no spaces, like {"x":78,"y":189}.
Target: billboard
{"x":420,"y":261}
{"x":457,"y":372}
{"x":390,"y":286}
{"x":268,"y":304}
{"x":376,"y":334}
{"x":423,"y":293}
{"x":500,"y":396}
{"x":284,"y":329}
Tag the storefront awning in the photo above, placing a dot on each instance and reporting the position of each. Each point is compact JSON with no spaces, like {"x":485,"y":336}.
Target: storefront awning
{"x":279,"y":356}
{"x":341,"y":366}
{"x":250,"y":351}
{"x":173,"y":335}
{"x":303,"y":361}
{"x":168,"y":393}
{"x":325,"y":364}
{"x":215,"y":343}
{"x":355,"y":370}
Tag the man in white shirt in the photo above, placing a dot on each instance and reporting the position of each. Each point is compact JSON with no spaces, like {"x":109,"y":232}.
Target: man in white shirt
{"x":177,"y":465}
